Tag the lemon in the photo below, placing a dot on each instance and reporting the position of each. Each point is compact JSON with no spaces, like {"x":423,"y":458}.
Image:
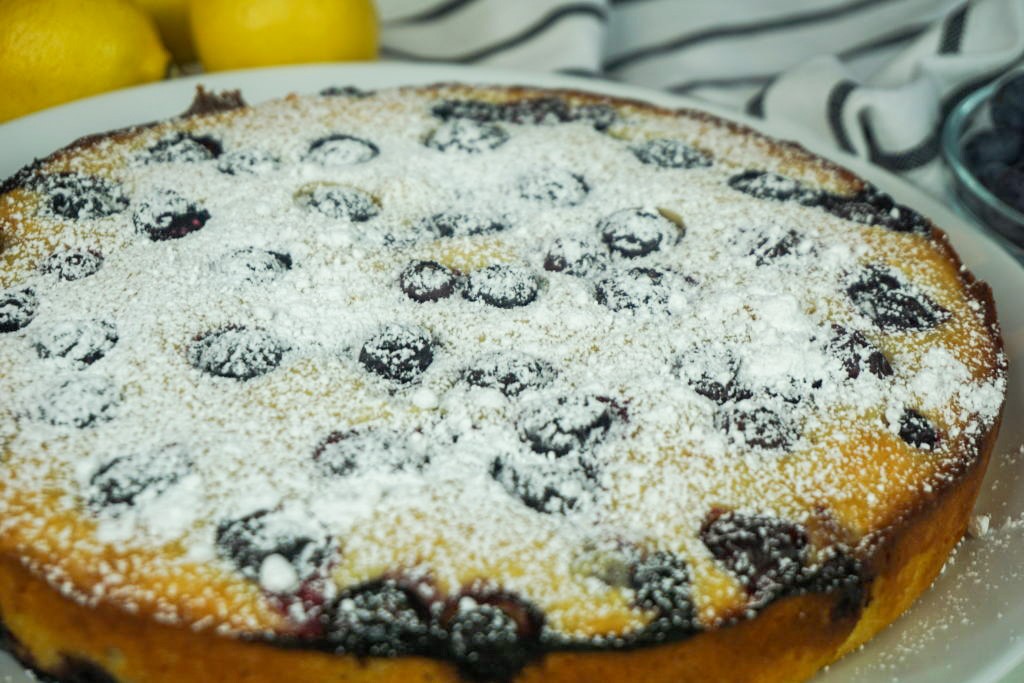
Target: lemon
{"x":171,"y":18}
{"x":54,"y":51}
{"x":233,"y":34}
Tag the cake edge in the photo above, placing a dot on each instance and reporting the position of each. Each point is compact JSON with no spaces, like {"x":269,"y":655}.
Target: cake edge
{"x":900,"y":563}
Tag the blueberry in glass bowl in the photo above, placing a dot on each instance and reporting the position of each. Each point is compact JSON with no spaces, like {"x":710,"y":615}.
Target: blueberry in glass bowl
{"x":983,"y":141}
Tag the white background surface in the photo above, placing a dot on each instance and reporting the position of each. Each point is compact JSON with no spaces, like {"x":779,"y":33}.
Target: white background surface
{"x":968,"y":629}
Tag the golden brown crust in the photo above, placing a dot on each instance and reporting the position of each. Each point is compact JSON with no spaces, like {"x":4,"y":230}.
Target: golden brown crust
{"x":844,"y":180}
{"x":906,"y":557}
{"x":789,"y":640}
{"x":796,"y":636}
{"x":209,"y":102}
{"x":204,"y":102}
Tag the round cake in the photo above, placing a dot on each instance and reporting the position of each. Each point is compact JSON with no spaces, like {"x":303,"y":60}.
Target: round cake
{"x":473,"y":383}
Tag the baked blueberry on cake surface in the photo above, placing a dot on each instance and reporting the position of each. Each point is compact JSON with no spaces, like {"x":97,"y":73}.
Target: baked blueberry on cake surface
{"x":473,"y":383}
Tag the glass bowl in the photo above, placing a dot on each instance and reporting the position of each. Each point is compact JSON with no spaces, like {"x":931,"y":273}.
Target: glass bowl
{"x":969,"y":116}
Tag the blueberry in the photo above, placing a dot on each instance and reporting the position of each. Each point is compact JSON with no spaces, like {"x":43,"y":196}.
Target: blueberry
{"x":536,"y":110}
{"x":167,"y":215}
{"x":987,"y":146}
{"x":80,"y":401}
{"x":398,"y":352}
{"x":714,"y":376}
{"x":1007,"y":105}
{"x":352,"y":452}
{"x":573,"y":423}
{"x":341,"y":453}
{"x":839,"y":572}
{"x":340,"y":202}
{"x":466,"y":135}
{"x":509,"y":372}
{"x":633,"y":289}
{"x":533,"y":110}
{"x":601,"y":116}
{"x":472,"y":110}
{"x":546,"y":489}
{"x":917,"y":430}
{"x":81,"y":197}
{"x":793,"y":391}
{"x":491,"y":635}
{"x":874,"y":207}
{"x":553,"y":187}
{"x":1008,"y":185}
{"x":771,"y":247}
{"x":8,"y":643}
{"x":503,"y":286}
{"x":990,"y":173}
{"x":382,"y":618}
{"x":18,"y":307}
{"x":71,"y":264}
{"x":80,"y":342}
{"x":637,"y":232}
{"x":574,"y":257}
{"x":426,"y":281}
{"x":256,"y":266}
{"x":669,"y":153}
{"x":119,"y":483}
{"x":758,"y":426}
{"x":661,"y":584}
{"x":772,"y":186}
{"x":235,"y":353}
{"x":855,"y":352}
{"x":248,"y":162}
{"x":712,"y":388}
{"x":455,"y":224}
{"x":80,"y":670}
{"x":892,"y":306}
{"x":184,"y":147}
{"x":345,"y":91}
{"x":550,"y":491}
{"x":340,"y":150}
{"x":767,"y":554}
{"x":249,"y":540}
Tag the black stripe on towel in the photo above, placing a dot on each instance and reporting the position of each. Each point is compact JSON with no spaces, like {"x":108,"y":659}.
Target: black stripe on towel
{"x":841,"y":91}
{"x":889,"y":40}
{"x":724,"y":82}
{"x":439,"y":12}
{"x":755,"y":107}
{"x":905,"y":160}
{"x":849,"y":53}
{"x":789,"y":21}
{"x":928,"y":149}
{"x":549,"y":20}
{"x":953,"y":31}
{"x":580,"y":72}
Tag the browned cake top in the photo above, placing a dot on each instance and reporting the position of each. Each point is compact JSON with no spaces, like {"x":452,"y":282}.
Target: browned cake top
{"x":380,"y":369}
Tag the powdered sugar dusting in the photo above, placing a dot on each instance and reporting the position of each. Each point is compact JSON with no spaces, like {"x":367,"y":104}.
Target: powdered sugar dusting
{"x":498,"y":431}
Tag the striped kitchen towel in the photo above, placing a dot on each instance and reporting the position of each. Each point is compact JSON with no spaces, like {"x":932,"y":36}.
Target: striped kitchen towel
{"x":871,"y":77}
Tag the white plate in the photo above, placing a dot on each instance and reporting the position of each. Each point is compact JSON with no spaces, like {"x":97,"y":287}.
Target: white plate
{"x":968,"y":629}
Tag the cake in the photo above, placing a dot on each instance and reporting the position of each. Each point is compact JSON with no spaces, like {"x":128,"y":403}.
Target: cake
{"x":473,"y":383}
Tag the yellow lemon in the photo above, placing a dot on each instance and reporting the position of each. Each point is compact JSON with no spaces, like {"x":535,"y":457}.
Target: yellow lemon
{"x":54,"y":51}
{"x":171,"y":18}
{"x":234,"y":34}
